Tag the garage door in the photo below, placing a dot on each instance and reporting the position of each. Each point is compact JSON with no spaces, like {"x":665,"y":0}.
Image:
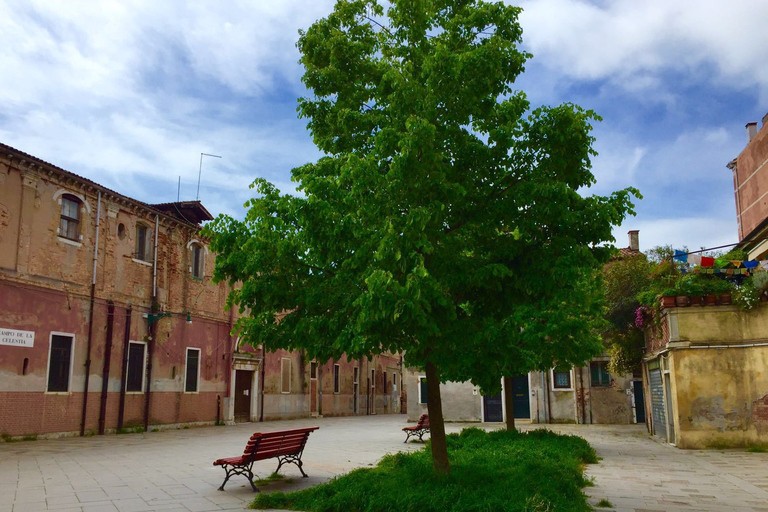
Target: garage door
{"x":657,"y":403}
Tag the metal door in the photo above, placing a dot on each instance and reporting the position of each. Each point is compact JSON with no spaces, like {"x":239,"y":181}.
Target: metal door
{"x":657,"y":403}
{"x":521,"y":401}
{"x":639,"y":401}
{"x":243,"y":382}
{"x":492,"y":408}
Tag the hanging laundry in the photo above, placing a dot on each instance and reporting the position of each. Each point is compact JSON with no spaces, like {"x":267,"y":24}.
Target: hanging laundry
{"x":681,"y":256}
{"x":751,"y":264}
{"x":706,"y":261}
{"x":694,"y":259}
{"x":736,"y":263}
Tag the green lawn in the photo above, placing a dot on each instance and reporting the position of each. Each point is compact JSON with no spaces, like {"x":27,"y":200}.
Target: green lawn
{"x":493,"y":472}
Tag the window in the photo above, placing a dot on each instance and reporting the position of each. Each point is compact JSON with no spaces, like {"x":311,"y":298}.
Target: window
{"x":69,"y":225}
{"x":137,"y":362}
{"x":197,"y":269}
{"x":336,"y":384}
{"x":143,"y":243}
{"x":285,"y":375}
{"x":60,"y":363}
{"x":192,"y":378}
{"x":422,"y":390}
{"x":561,"y":379}
{"x":600,"y":375}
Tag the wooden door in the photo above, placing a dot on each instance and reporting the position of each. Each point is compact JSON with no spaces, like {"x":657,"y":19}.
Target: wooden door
{"x":522,"y":404}
{"x":639,"y":401}
{"x":243,"y":384}
{"x":313,"y":388}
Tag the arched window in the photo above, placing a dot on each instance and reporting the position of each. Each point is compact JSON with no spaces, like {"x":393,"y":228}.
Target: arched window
{"x":69,"y":225}
{"x":144,"y":244}
{"x":197,"y":268}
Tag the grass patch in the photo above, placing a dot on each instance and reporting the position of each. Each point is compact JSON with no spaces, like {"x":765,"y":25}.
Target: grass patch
{"x":604,"y":503}
{"x":758,"y":448}
{"x":274,"y":477}
{"x":130,"y":430}
{"x":532,"y":471}
{"x":10,"y":439}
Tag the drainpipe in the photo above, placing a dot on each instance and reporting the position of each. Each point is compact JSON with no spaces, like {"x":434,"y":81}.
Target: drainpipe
{"x":123,"y":376}
{"x":320,"y":390}
{"x":549,"y":398}
{"x":105,"y":373}
{"x":230,"y":350}
{"x":261,"y":381}
{"x":90,"y":317}
{"x":152,"y":329}
{"x":582,"y":410}
{"x":589,"y":386}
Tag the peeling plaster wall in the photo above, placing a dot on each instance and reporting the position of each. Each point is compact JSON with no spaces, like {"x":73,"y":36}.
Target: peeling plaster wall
{"x":720,"y":396}
{"x":718,"y":371}
{"x":461,"y":401}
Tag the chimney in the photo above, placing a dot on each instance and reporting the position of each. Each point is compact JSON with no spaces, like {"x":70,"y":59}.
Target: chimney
{"x":634,"y":239}
{"x":751,"y":131}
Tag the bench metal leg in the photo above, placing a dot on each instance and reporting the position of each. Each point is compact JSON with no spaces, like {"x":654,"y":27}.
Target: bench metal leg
{"x":238,"y":470}
{"x":293,"y":459}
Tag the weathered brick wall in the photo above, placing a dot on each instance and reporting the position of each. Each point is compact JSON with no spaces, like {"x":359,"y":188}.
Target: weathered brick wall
{"x":752,"y":179}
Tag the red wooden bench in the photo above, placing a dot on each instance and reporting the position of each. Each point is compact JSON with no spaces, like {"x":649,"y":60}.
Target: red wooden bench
{"x":286,"y":446}
{"x":421,"y":428}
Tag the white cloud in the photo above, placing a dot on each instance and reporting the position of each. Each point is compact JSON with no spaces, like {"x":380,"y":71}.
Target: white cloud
{"x":631,"y":42}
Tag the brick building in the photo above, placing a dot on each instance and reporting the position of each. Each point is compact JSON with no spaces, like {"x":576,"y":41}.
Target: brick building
{"x":105,"y":293}
{"x":750,"y":184}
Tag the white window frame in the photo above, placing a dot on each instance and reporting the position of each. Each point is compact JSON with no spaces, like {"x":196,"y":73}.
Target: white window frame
{"x":418,"y":385}
{"x":186,"y":368}
{"x":552,"y":380}
{"x":282,"y":377}
{"x":149,"y":243}
{"x":203,"y":253}
{"x":144,"y":368}
{"x":71,"y":362}
{"x":312,"y":365}
{"x":336,"y":379}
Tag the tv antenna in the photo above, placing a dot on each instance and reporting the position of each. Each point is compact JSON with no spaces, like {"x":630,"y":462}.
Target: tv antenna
{"x":200,"y":172}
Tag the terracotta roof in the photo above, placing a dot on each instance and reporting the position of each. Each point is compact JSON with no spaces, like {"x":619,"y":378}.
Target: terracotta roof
{"x":164,"y":208}
{"x":625,"y":252}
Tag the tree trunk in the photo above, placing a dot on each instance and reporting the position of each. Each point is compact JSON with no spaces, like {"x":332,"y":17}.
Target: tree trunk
{"x":436,"y":425}
{"x":509,"y":400}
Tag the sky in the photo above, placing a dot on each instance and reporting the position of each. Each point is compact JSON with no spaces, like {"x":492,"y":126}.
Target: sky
{"x":128,"y":94}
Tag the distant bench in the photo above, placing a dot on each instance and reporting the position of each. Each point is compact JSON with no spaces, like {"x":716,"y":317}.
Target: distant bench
{"x":421,"y":428}
{"x":286,"y":446}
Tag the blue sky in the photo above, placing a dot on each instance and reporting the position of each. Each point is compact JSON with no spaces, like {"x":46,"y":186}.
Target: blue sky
{"x":130,"y":95}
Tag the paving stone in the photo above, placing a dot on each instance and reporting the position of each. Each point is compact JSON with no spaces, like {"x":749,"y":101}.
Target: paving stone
{"x":172,"y":471}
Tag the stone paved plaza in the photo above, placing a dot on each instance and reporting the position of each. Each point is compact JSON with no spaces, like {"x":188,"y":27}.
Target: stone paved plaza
{"x":172,"y":470}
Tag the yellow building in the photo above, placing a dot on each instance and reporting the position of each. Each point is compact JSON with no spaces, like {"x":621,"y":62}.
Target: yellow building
{"x":706,"y":376}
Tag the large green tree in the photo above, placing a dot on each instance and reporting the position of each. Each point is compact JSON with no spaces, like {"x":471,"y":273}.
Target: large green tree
{"x":444,"y":220}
